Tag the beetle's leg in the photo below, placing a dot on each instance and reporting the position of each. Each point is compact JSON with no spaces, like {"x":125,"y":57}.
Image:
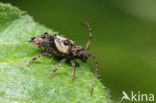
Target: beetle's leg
{"x":43,"y":54}
{"x":74,"y":70}
{"x":34,"y":59}
{"x":90,"y":35}
{"x":47,"y":54}
{"x":62,"y":62}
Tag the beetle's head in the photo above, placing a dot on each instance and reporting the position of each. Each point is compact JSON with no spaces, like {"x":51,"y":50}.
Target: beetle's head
{"x":80,"y":53}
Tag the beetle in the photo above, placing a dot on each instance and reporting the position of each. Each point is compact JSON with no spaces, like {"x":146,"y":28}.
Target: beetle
{"x":54,"y":45}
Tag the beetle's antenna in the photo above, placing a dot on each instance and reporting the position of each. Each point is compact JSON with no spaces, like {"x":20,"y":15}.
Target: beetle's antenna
{"x":96,"y":72}
{"x":90,"y":36}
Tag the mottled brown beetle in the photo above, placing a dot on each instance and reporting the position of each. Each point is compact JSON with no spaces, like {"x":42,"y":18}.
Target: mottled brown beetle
{"x":57,"y":45}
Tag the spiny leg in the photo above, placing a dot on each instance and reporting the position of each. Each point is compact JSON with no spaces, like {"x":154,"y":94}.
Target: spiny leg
{"x":62,"y":62}
{"x":95,"y":75}
{"x":34,"y":59}
{"x":43,"y":54}
{"x":90,"y":36}
{"x":74,"y":70}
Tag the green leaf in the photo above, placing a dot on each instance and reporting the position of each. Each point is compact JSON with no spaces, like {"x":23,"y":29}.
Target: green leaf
{"x":20,"y":83}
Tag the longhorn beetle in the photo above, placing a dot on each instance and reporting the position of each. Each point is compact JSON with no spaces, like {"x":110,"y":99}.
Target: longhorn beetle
{"x":56,"y":45}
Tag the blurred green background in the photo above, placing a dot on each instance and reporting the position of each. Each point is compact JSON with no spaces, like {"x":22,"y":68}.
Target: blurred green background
{"x":124,"y":37}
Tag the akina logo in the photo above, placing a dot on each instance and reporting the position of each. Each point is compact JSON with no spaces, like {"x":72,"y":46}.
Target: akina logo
{"x":137,"y":97}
